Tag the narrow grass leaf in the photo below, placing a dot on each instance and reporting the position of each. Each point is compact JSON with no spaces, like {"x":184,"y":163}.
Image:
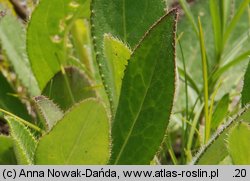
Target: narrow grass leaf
{"x":236,"y":61}
{"x":147,"y":95}
{"x":225,"y":12}
{"x":80,"y":137}
{"x":235,"y":20}
{"x":217,"y":26}
{"x":191,"y":82}
{"x":190,"y":16}
{"x":205,"y":80}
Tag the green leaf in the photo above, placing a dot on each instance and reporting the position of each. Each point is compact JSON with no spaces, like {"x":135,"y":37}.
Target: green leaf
{"x":216,"y":149}
{"x":9,"y":102}
{"x":147,"y":95}
{"x":217,"y":26}
{"x":7,"y":155}
{"x":238,"y":144}
{"x":12,"y":38}
{"x":232,"y":25}
{"x":205,"y":80}
{"x":246,"y":88}
{"x":220,"y":111}
{"x":81,"y":137}
{"x":127,"y":20}
{"x":189,"y":15}
{"x":117,"y":55}
{"x":69,"y":87}
{"x":47,"y":36}
{"x":24,"y":142}
{"x":50,"y":111}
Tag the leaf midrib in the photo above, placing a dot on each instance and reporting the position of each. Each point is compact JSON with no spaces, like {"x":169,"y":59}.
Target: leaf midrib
{"x":136,"y":117}
{"x":76,"y":143}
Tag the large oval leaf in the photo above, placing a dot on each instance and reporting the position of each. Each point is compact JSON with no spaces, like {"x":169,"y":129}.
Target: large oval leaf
{"x":147,"y":95}
{"x":128,"y":20}
{"x":47,"y":36}
{"x":81,"y":137}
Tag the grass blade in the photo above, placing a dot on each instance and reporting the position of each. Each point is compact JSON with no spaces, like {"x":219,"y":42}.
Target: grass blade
{"x":238,"y":144}
{"x":217,"y":26}
{"x":235,"y":19}
{"x":205,"y":81}
{"x":189,"y":14}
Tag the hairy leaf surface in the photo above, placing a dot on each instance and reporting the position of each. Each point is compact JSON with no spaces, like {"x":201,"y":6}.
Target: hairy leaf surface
{"x":127,"y":20}
{"x":216,"y":150}
{"x":147,"y":95}
{"x":238,"y":144}
{"x":117,"y":55}
{"x":80,"y":137}
{"x":24,"y":142}
{"x":50,"y":111}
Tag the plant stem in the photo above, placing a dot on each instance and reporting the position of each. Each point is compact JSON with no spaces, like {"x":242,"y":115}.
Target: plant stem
{"x":205,"y":81}
{"x":171,"y":151}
